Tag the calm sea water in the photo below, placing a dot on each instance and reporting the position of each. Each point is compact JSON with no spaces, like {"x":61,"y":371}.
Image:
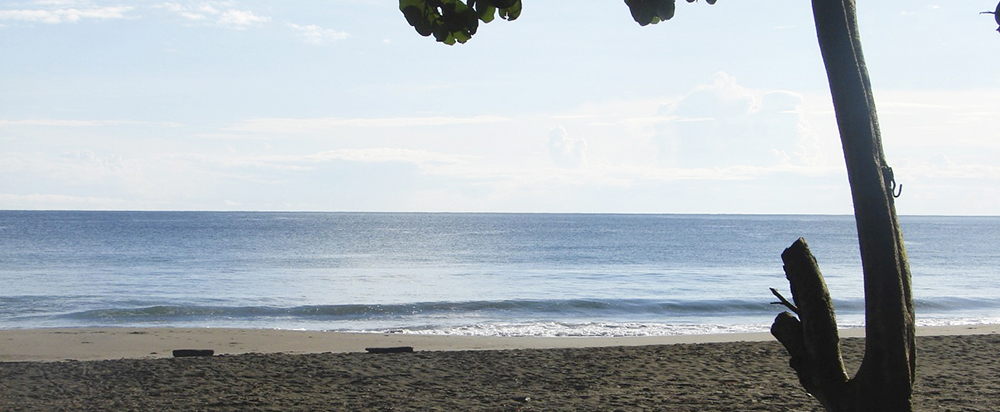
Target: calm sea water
{"x":482,"y":274}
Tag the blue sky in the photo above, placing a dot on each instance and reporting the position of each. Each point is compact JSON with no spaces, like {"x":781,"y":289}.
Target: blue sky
{"x":339,"y":105}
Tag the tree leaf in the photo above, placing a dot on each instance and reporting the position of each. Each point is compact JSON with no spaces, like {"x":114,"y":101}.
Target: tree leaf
{"x":664,"y":9}
{"x":642,"y":11}
{"x":511,"y":13}
{"x":485,"y":10}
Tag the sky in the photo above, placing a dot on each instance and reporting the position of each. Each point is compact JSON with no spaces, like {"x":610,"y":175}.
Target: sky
{"x":339,"y":105}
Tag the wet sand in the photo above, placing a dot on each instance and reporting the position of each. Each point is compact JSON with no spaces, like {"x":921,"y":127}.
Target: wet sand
{"x":131,"y":370}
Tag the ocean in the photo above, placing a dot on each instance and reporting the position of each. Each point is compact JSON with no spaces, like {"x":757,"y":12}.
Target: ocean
{"x":463,"y":273}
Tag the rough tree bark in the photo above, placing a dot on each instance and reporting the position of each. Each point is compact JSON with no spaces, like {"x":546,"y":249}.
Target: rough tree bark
{"x":884,"y":382}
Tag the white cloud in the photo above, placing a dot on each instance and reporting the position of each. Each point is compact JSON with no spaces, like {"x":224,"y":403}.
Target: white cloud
{"x":381,"y":155}
{"x":72,"y":168}
{"x":473,"y":169}
{"x":220,"y":13}
{"x":321,"y":124}
{"x":428,"y":161}
{"x":65,"y":15}
{"x":77,"y":123}
{"x":567,"y":151}
{"x":61,"y":202}
{"x":948,"y":120}
{"x":192,"y":16}
{"x":208,"y":8}
{"x":737,"y":126}
{"x":62,"y":2}
{"x":942,"y":166}
{"x":174,"y":7}
{"x":313,"y":34}
{"x":240,"y":19}
{"x":187,"y":12}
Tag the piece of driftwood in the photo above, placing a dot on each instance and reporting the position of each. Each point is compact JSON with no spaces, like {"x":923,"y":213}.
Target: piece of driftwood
{"x":811,"y":339}
{"x":394,"y":349}
{"x":186,"y":353}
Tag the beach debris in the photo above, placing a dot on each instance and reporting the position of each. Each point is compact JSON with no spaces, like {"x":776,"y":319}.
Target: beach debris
{"x":187,"y":353}
{"x":784,"y":301}
{"x":393,"y":349}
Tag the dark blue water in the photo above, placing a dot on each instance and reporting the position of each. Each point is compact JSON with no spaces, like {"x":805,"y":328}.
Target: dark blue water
{"x":490,"y":274}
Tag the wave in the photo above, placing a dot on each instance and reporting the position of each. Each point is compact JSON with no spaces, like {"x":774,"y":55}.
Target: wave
{"x":505,"y":309}
{"x":559,"y":317}
{"x":584,"y":329}
{"x":508,"y":318}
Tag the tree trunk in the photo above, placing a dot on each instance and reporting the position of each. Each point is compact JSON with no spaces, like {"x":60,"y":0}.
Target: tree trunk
{"x":884,"y":381}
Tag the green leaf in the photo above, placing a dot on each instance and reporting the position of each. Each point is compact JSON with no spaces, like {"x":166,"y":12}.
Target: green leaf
{"x":665,"y":9}
{"x":485,"y":10}
{"x":647,"y":12}
{"x":642,"y":11}
{"x":411,"y":3}
{"x":461,"y":37}
{"x":511,"y":13}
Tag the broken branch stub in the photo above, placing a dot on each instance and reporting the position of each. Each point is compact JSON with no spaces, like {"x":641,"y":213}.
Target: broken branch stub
{"x":812,"y":339}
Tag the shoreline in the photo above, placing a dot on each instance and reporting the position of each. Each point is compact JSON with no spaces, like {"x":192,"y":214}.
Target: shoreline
{"x":91,"y":344}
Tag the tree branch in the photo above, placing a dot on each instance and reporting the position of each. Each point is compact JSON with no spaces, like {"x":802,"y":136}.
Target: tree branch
{"x":784,"y":302}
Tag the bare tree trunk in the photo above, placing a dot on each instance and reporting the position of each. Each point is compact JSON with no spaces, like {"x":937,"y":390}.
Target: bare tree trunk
{"x":884,"y":381}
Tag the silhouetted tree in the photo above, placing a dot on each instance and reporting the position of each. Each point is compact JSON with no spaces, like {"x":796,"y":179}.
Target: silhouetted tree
{"x":884,"y":382}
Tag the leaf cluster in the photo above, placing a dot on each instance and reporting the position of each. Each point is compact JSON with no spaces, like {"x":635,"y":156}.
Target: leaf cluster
{"x":452,"y":21}
{"x":647,"y":12}
{"x":456,"y":21}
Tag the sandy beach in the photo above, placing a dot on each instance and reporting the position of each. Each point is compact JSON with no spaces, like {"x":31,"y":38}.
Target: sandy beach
{"x":133,"y":369}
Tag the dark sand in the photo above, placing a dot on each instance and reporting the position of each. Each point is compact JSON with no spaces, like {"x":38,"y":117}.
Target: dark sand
{"x":955,"y":373}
